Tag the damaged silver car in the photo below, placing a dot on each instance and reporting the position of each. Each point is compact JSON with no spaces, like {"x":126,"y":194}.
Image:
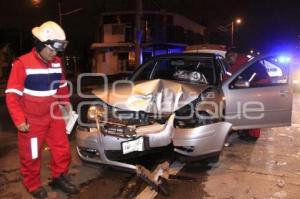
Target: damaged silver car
{"x":187,"y":101}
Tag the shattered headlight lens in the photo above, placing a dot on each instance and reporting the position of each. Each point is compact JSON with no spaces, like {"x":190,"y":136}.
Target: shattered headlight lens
{"x":190,"y":116}
{"x":96,"y":111}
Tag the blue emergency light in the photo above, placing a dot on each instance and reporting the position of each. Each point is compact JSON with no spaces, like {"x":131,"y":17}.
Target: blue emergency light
{"x":284,"y":59}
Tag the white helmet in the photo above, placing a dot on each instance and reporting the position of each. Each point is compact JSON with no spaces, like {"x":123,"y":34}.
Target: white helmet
{"x":52,"y":35}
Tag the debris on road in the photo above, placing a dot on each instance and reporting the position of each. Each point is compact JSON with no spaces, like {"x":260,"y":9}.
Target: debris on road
{"x":281,"y":163}
{"x":157,"y":179}
{"x":227,"y":144}
{"x":149,"y":193}
{"x":280,"y":183}
{"x":280,"y":194}
{"x":3,"y":179}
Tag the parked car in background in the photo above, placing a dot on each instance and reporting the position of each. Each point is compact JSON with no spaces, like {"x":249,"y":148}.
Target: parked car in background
{"x":182,"y":100}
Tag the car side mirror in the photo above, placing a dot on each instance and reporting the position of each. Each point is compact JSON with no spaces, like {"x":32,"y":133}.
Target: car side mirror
{"x":241,"y":84}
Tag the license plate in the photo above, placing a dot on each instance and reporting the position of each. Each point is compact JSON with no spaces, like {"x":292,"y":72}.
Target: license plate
{"x":133,"y":145}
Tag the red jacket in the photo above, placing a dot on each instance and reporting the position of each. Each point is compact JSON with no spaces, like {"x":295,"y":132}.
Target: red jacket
{"x":241,"y":60}
{"x":32,"y":88}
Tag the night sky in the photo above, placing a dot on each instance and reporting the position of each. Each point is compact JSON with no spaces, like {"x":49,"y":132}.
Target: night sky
{"x":267,"y":25}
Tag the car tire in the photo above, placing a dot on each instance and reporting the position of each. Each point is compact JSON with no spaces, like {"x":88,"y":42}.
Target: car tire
{"x":245,"y":136}
{"x":212,"y":159}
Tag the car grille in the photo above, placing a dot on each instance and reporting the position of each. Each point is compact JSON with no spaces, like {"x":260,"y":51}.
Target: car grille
{"x":123,"y":125}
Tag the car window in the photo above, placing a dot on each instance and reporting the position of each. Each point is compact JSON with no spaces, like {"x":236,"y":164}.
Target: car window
{"x":190,"y":70}
{"x":225,"y":65}
{"x":265,"y":72}
{"x":224,"y":68}
{"x":200,"y":70}
{"x":144,"y":72}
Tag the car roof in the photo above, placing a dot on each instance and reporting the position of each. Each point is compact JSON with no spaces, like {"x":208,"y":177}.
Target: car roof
{"x":183,"y":55}
{"x":212,"y":51}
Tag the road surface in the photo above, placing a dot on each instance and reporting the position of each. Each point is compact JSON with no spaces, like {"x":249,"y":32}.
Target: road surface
{"x":269,"y":168}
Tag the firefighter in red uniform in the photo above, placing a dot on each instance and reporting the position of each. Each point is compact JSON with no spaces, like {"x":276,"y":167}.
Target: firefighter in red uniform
{"x":236,"y":61}
{"x":35,"y":89}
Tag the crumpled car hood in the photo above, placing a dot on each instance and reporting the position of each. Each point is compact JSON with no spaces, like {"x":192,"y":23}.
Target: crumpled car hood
{"x":152,"y":96}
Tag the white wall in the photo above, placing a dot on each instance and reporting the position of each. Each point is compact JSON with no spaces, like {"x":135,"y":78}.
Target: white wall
{"x":108,"y":66}
{"x":188,"y":24}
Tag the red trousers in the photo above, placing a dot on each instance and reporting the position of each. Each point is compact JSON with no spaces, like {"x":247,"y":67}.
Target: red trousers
{"x":30,"y":146}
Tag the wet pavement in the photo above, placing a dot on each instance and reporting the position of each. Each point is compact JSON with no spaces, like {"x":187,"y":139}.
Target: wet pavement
{"x":269,"y":168}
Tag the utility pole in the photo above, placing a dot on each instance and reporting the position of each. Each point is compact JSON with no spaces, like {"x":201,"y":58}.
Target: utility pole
{"x":232,"y":33}
{"x":238,"y":21}
{"x":61,"y":14}
{"x":138,"y":33}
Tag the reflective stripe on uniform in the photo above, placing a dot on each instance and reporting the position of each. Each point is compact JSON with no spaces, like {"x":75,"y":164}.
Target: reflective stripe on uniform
{"x":13,"y":90}
{"x":55,"y":65}
{"x":31,"y":71}
{"x":34,"y":147}
{"x":40,"y":93}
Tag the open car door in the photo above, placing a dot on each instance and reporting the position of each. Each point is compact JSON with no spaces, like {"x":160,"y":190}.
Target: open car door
{"x":259,"y":95}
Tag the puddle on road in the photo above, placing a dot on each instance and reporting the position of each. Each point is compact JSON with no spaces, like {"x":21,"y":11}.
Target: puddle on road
{"x":232,"y":156}
{"x":3,"y":180}
{"x":5,"y":148}
{"x":130,"y":188}
{"x":182,"y":189}
{"x":11,"y":195}
{"x":4,"y":184}
{"x":106,"y":186}
{"x":8,"y":143}
{"x":114,"y":184}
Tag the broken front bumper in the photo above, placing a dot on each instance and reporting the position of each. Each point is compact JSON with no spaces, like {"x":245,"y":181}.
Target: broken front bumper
{"x":91,"y":140}
{"x":157,"y":135}
{"x":201,"y":140}
{"x":191,"y":142}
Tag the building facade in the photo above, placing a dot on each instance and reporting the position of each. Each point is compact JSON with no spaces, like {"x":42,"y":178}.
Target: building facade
{"x":161,"y":33}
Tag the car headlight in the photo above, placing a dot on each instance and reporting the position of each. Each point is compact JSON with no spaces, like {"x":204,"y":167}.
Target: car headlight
{"x":185,"y":116}
{"x":196,"y":114}
{"x":96,"y":111}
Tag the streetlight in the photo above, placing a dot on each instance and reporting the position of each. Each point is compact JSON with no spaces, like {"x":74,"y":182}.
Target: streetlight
{"x":237,"y":21}
{"x":36,"y":3}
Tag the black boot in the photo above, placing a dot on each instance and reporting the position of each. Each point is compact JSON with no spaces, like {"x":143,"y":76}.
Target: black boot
{"x":64,"y":184}
{"x":39,"y":193}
